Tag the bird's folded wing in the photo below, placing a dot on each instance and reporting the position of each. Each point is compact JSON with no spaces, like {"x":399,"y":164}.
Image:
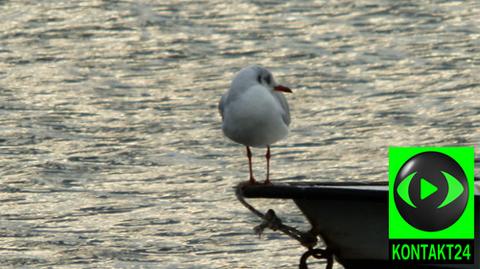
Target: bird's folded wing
{"x":283,"y":103}
{"x":221,"y":104}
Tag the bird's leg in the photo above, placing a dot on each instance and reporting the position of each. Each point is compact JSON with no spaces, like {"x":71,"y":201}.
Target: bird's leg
{"x":267,"y":156}
{"x":249,"y":155}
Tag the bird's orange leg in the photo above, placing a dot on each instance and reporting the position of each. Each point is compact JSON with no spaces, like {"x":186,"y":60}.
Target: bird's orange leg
{"x":267,"y":156}
{"x":249,"y":155}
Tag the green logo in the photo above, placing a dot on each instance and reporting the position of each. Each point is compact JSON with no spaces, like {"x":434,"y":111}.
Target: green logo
{"x":454,"y":187}
{"x":431,"y":198}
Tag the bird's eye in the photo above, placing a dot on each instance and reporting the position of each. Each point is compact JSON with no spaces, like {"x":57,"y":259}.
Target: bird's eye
{"x":259,"y":78}
{"x":268,"y":79}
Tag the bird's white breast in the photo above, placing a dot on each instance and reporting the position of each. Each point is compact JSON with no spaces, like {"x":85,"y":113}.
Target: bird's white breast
{"x":254,"y":118}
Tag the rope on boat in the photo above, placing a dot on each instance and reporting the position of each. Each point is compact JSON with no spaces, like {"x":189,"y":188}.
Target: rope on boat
{"x":306,"y":239}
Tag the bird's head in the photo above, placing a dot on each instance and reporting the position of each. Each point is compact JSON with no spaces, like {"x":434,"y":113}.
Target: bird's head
{"x":256,"y":74}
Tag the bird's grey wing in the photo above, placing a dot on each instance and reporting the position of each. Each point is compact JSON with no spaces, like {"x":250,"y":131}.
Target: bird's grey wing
{"x":283,"y":103}
{"x":221,"y":104}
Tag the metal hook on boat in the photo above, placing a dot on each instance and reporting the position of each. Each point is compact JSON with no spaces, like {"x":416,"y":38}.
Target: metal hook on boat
{"x":306,"y":239}
{"x":317,"y":254}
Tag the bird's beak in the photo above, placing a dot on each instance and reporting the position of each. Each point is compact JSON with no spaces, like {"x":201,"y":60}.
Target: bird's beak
{"x":280,"y":88}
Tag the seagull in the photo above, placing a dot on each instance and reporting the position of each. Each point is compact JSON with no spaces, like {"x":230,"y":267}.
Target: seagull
{"x":254,"y":112}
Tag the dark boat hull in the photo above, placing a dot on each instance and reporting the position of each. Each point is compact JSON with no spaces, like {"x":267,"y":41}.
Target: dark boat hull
{"x":352,"y":219}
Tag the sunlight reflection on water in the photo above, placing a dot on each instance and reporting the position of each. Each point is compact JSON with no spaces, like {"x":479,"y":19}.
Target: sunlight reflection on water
{"x":111,"y":149}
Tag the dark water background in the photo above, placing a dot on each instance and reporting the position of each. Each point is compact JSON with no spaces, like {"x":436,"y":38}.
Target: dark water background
{"x":111,"y":154}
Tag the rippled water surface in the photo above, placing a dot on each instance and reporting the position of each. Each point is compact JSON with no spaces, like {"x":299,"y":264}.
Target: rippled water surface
{"x":111,"y":153}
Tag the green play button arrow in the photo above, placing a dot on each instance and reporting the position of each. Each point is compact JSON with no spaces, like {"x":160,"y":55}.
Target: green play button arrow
{"x":426,"y":188}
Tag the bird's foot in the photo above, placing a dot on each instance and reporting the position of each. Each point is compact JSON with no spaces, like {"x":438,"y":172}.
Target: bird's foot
{"x":252,"y":181}
{"x":267,"y":182}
